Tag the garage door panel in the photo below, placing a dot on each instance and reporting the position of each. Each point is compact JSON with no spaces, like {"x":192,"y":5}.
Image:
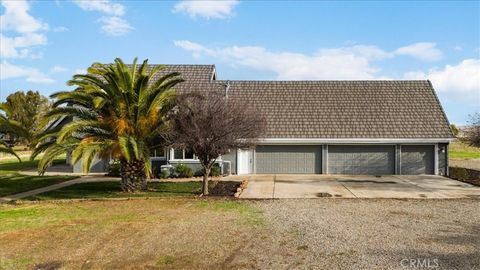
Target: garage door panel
{"x":417,"y":159}
{"x":288,"y":159}
{"x":360,"y":159}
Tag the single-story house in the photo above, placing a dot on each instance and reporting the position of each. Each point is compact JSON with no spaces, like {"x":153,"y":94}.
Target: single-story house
{"x":374,"y":127}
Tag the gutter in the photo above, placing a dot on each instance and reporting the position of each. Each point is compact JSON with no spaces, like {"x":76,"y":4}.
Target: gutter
{"x":351,"y":141}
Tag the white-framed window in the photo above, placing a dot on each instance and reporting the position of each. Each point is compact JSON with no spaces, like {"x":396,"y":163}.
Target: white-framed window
{"x":158,"y":152}
{"x":182,"y":154}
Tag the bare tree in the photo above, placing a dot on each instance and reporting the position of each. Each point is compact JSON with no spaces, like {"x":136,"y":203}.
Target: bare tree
{"x":472,"y":132}
{"x":210,"y":125}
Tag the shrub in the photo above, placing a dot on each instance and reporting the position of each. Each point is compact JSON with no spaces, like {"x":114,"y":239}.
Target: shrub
{"x":183,"y":171}
{"x":459,"y":173}
{"x":113,"y":168}
{"x":198,"y":172}
{"x":164,"y":174}
{"x":215,"y":171}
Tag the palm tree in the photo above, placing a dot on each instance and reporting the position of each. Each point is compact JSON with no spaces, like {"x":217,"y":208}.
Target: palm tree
{"x":11,"y":127}
{"x":116,"y":110}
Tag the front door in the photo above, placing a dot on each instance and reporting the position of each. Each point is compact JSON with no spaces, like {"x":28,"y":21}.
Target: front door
{"x":244,"y":161}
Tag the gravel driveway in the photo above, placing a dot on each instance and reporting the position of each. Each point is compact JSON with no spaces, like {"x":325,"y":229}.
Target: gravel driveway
{"x":365,"y":234}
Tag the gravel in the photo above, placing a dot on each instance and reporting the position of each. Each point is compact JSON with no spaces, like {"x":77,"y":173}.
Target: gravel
{"x":365,"y":234}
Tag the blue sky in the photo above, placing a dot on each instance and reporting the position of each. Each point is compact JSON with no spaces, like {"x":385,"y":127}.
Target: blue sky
{"x":42,"y":43}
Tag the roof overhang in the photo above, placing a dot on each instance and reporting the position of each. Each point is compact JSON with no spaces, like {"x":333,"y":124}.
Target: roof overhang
{"x":353,"y":141}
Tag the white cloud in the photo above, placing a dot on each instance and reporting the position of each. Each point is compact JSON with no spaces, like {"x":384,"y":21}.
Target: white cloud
{"x":115,"y":26}
{"x":461,"y":81}
{"x":11,"y":71}
{"x":103,"y":6}
{"x":16,"y":18}
{"x":19,"y":47}
{"x":342,"y":63}
{"x":60,"y":29}
{"x":427,"y":51}
{"x":213,"y":9}
{"x":24,"y":31}
{"x":58,"y":69}
{"x":458,"y":48}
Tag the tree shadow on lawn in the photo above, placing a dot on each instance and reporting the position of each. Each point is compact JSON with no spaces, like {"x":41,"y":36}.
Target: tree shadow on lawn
{"x":99,"y":190}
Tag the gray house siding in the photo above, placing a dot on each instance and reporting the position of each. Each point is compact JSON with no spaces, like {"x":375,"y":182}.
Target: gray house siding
{"x":232,"y":158}
{"x":326,"y":159}
{"x":97,"y":166}
{"x":443,"y":159}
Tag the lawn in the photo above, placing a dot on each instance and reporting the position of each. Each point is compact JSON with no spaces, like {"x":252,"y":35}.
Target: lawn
{"x":460,"y":150}
{"x":12,"y":182}
{"x":111,"y":189}
{"x":181,"y":233}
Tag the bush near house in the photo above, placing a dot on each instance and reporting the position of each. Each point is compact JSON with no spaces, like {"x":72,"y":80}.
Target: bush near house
{"x":183,"y":171}
{"x":113,"y":168}
{"x":214,"y":172}
{"x":465,"y":175}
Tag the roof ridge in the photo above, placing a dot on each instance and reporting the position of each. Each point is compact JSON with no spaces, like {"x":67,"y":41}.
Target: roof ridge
{"x":333,"y":81}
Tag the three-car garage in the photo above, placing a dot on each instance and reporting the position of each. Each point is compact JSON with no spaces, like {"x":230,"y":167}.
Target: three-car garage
{"x":344,"y":159}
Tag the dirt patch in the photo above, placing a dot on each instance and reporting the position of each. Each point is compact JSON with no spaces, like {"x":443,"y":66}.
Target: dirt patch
{"x":223,"y":188}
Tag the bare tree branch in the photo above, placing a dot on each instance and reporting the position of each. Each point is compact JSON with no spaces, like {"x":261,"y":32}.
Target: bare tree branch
{"x":210,"y":125}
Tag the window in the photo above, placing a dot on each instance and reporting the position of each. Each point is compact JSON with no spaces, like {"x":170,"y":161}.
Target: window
{"x":158,"y":152}
{"x":177,"y":153}
{"x":183,"y":154}
{"x":188,"y":155}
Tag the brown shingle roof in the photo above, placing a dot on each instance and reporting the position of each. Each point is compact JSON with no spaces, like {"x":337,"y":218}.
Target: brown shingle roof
{"x":332,"y":109}
{"x":345,"y":109}
{"x":190,"y":73}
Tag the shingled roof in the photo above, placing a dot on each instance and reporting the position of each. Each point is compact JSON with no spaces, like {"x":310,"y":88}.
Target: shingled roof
{"x":345,"y":109}
{"x":331,"y":109}
{"x":192,"y":74}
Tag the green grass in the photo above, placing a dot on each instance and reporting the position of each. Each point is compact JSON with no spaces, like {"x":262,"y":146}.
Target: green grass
{"x":110,"y":189}
{"x":11,"y":182}
{"x":12,"y":165}
{"x":459,"y":150}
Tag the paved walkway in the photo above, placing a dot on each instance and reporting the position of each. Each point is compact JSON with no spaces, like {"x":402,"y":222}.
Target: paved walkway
{"x":347,"y":186}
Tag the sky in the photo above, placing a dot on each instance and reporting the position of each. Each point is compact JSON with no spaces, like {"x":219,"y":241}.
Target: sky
{"x":43,"y":43}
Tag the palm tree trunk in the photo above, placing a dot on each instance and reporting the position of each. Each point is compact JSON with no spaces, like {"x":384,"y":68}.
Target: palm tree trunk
{"x":133,"y":175}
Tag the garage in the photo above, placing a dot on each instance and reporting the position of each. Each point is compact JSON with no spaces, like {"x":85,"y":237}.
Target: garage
{"x":301,"y":159}
{"x":361,"y":159}
{"x":417,"y":159}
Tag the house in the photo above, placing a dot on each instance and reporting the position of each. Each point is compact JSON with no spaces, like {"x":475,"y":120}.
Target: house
{"x":328,"y":127}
